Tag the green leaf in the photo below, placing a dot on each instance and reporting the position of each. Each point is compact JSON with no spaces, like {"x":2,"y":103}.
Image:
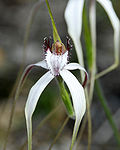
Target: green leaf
{"x":87,"y":37}
{"x":107,"y":111}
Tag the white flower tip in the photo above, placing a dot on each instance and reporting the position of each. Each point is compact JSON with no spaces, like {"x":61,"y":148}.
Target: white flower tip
{"x":73,"y":17}
{"x":78,"y":97}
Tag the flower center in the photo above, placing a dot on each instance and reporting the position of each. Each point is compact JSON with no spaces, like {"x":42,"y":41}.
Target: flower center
{"x":56,"y":57}
{"x":58,"y":48}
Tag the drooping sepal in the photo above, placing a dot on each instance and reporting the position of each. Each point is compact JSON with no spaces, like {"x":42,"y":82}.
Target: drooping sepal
{"x":74,"y":66}
{"x":32,"y":100}
{"x":78,"y":98}
{"x":26,"y":73}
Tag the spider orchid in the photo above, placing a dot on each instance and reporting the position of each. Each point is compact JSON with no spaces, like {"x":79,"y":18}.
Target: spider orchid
{"x":56,"y":61}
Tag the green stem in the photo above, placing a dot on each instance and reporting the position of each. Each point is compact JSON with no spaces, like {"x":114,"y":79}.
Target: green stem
{"x":55,"y":33}
{"x":107,"y":111}
{"x":30,"y":135}
{"x":92,"y":19}
{"x":65,"y":97}
{"x":89,"y":121}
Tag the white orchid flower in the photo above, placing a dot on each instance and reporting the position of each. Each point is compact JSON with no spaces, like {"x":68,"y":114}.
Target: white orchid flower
{"x":56,"y":61}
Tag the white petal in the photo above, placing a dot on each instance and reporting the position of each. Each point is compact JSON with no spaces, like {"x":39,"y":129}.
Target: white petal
{"x":36,"y":91}
{"x":33,"y":97}
{"x":42,"y":64}
{"x":73,"y":17}
{"x":107,"y":5}
{"x":78,"y":97}
{"x":26,"y":72}
{"x":74,"y":66}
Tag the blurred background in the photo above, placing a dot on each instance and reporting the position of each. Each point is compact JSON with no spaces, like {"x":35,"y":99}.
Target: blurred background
{"x":14,"y":16}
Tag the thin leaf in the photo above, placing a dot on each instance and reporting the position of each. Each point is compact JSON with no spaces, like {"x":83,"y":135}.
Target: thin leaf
{"x":107,"y":111}
{"x":88,"y":41}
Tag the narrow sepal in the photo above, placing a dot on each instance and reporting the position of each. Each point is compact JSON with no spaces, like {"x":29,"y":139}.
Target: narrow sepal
{"x":78,"y":97}
{"x":29,"y":68}
{"x":74,"y":66}
{"x":32,"y":100}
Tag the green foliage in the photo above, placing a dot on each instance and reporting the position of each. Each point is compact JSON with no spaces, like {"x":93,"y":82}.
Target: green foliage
{"x":107,"y":111}
{"x":87,"y":38}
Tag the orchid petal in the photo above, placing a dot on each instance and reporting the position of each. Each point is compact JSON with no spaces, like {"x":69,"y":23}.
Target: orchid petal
{"x":28,"y":69}
{"x":26,"y":72}
{"x":32,"y":100}
{"x":74,"y":66}
{"x":78,"y":97}
{"x":107,"y":5}
{"x":73,"y":17}
{"x":42,"y":64}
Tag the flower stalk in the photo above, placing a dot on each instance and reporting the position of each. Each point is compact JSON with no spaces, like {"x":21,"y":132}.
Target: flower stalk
{"x":92,"y":19}
{"x":55,"y":32}
{"x":65,"y":97}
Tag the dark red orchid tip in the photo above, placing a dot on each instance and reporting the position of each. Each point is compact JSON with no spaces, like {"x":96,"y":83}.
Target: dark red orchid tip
{"x":85,"y":80}
{"x":47,"y":44}
{"x":27,"y":70}
{"x":69,"y":46}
